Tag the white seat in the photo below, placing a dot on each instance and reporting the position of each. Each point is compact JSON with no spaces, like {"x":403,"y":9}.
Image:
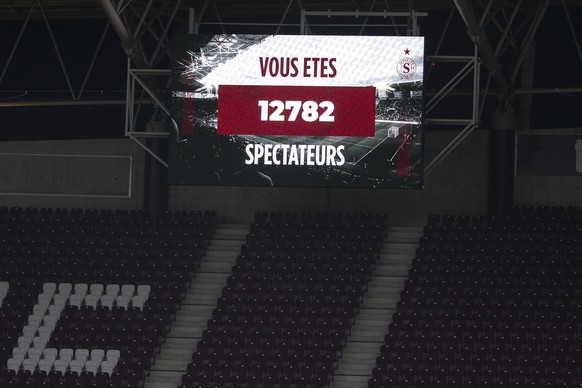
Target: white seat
{"x":49,"y":288}
{"x":39,"y":341}
{"x":13,"y":364}
{"x":93,"y":363}
{"x":29,"y":364}
{"x":61,"y":302}
{"x":112,"y":289}
{"x":25,"y":340}
{"x":112,"y":354}
{"x":91,"y":301}
{"x":82,"y":353}
{"x":107,"y":301}
{"x":109,"y":363}
{"x":3,"y":291}
{"x":46,"y":331}
{"x":19,"y":352}
{"x":50,"y":322}
{"x":81,"y":289}
{"x":49,"y":358}
{"x":60,"y":299}
{"x":138,"y":301}
{"x":35,"y":352}
{"x":45,"y":365}
{"x":91,"y":369}
{"x":144,"y":289}
{"x":97,"y":354}
{"x":39,"y":310}
{"x":96,"y":289}
{"x":76,"y":300}
{"x":34,"y":321}
{"x":34,"y":356}
{"x":77,"y":366}
{"x":128,"y":289}
{"x":54,"y":315}
{"x":107,"y":369}
{"x":44,"y":299}
{"x":61,"y":366}
{"x":65,"y":288}
{"x":50,"y":352}
{"x":123,"y":301}
{"x":58,"y":307}
{"x":66,"y":354}
{"x":29,"y":331}
{"x":40,"y":344}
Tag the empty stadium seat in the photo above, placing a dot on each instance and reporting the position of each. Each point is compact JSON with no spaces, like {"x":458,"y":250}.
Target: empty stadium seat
{"x":490,"y":302}
{"x":67,"y":280}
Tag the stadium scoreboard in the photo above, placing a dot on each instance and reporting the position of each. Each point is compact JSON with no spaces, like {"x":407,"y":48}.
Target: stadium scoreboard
{"x":297,"y":110}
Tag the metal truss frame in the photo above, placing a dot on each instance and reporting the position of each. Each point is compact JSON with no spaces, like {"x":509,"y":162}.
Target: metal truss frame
{"x":502,"y":31}
{"x":411,"y":17}
{"x":137,"y":76}
{"x":142,"y":74}
{"x":77,"y":96}
{"x":472,"y":66}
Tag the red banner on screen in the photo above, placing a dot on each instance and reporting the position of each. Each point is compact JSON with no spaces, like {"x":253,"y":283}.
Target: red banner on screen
{"x":296,"y":110}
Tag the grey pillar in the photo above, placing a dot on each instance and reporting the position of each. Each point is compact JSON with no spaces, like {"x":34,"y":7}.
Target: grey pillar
{"x":501,"y":161}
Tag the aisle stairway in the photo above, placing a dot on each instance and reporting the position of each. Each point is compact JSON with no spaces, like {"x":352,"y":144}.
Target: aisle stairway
{"x":367,"y":335}
{"x":196,"y":309}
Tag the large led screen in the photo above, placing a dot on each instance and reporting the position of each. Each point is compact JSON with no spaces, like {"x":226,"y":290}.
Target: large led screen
{"x":309,"y":111}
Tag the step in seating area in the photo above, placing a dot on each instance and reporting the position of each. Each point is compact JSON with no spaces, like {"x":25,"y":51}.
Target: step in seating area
{"x":286,"y":311}
{"x":490,"y":302}
{"x":89,"y":295}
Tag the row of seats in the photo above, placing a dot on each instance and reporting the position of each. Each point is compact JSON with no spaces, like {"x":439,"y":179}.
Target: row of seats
{"x":64,"y":360}
{"x":285,"y":313}
{"x":87,"y":293}
{"x":45,"y":317}
{"x":491,"y":318}
{"x":322,"y":221}
{"x":516,"y":214}
{"x":3,"y":291}
{"x":106,"y":215}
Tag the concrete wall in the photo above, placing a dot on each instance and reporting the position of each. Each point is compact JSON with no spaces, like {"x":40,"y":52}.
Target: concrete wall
{"x":549,"y":190}
{"x":72,"y":173}
{"x":109,"y":174}
{"x":457,"y":186}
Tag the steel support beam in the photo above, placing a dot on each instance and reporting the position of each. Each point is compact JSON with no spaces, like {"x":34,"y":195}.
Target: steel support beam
{"x":164,"y":34}
{"x":99,"y":45}
{"x":61,"y":61}
{"x":17,"y":42}
{"x":413,"y":15}
{"x":128,"y":43}
{"x":283,"y":17}
{"x":528,"y":39}
{"x":478,"y":35}
{"x":572,"y":30}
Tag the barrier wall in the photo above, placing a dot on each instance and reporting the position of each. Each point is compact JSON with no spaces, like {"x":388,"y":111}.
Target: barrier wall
{"x":549,"y":167}
{"x":72,"y":173}
{"x":109,"y":174}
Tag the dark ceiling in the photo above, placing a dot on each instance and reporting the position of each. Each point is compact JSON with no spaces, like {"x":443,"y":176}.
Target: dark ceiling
{"x":82,"y":9}
{"x":35,"y":75}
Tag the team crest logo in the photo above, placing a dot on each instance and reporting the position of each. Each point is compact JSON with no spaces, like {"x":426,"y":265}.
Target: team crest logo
{"x":406,"y":67}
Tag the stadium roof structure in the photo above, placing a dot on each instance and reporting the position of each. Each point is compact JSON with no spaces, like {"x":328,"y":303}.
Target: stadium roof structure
{"x":503,"y":36}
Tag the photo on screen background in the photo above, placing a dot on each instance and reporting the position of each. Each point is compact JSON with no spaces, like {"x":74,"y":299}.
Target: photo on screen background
{"x":297,"y":110}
